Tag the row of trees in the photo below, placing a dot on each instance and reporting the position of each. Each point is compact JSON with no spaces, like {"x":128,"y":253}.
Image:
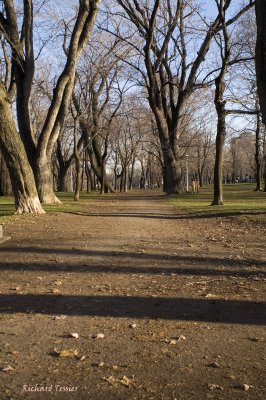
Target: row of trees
{"x":131,"y":85}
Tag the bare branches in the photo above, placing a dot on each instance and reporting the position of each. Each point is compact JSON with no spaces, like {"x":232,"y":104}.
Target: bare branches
{"x":62,"y":93}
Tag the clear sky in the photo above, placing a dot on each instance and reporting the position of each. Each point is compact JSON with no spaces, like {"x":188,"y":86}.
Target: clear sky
{"x":211,"y":8}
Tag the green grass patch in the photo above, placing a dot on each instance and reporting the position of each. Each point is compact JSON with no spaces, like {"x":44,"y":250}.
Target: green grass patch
{"x":240,"y":200}
{"x":7,"y":205}
{"x":68,"y":203}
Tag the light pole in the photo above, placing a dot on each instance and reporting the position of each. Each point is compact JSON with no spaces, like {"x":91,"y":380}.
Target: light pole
{"x":186,"y":172}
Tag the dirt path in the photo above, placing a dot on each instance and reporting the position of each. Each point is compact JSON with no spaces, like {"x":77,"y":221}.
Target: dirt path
{"x":166,"y":306}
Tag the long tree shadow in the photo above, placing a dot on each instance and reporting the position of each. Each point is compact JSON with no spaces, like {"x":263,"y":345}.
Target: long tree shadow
{"x":114,"y":254}
{"x":129,"y":269}
{"x":166,"y":216}
{"x":188,"y":309}
{"x":128,"y":196}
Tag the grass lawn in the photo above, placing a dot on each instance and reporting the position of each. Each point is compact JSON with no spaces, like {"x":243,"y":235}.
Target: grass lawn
{"x":7,"y":206}
{"x":239,"y":200}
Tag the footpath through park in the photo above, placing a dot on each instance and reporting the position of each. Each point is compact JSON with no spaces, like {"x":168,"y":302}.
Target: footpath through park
{"x":132,"y":298}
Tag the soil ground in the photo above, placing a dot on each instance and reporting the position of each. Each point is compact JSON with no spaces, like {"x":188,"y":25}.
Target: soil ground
{"x":166,"y":305}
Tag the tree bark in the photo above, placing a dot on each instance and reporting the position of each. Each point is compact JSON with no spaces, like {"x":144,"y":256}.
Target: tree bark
{"x":172,"y":172}
{"x":78,"y":179}
{"x":11,"y":146}
{"x":63,"y":178}
{"x":44,"y":181}
{"x":97,"y":169}
{"x":258,"y":157}
{"x":221,"y":112}
{"x":260,"y":55}
{"x":5,"y":183}
{"x":63,"y":169}
{"x":77,"y":162}
{"x":40,"y":153}
{"x":264,"y":165}
{"x":219,"y":156}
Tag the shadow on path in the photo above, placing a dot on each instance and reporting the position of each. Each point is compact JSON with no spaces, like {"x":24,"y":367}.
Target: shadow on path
{"x":165,"y":216}
{"x":222,"y":311}
{"x":146,"y":256}
{"x":90,"y":268}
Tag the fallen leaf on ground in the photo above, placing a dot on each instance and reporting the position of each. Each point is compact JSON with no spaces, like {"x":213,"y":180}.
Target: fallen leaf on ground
{"x":8,"y":369}
{"x":181,"y":337}
{"x":98,"y":336}
{"x":126,"y":381}
{"x":110,"y":380}
{"x":58,"y":317}
{"x":256,"y":339}
{"x":213,"y":386}
{"x":243,"y":386}
{"x":100,"y":364}
{"x":67,"y":353}
{"x":74,"y":335}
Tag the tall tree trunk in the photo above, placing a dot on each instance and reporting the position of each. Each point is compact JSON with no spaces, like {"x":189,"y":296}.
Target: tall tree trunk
{"x":125,"y":180}
{"x":258,"y":157}
{"x":23,"y":60}
{"x":219,"y":155}
{"x":78,"y":179}
{"x":97,"y":169}
{"x":63,"y":178}
{"x":63,"y":169}
{"x":170,"y":152}
{"x":121,"y":185}
{"x":5,"y":183}
{"x":131,"y":174}
{"x":11,"y":146}
{"x":44,"y":180}
{"x":172,"y":174}
{"x":200,"y":169}
{"x":218,"y":169}
{"x":221,"y":112}
{"x":87,"y":172}
{"x":264,"y":165}
{"x":260,"y":55}
{"x":77,"y":163}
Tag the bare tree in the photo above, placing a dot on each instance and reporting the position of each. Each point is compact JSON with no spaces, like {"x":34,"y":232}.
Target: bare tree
{"x":97,"y":99}
{"x":5,"y":183}
{"x":22,"y":179}
{"x":260,"y":7}
{"x":39,"y":149}
{"x":220,"y":106}
{"x":172,"y":73}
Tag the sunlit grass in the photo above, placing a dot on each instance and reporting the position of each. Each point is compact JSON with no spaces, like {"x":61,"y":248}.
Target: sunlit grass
{"x":68,"y":203}
{"x":239,"y":200}
{"x":7,"y":206}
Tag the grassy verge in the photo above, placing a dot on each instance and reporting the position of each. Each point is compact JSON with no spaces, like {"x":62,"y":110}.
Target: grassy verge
{"x":7,"y":206}
{"x":240,"y":200}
